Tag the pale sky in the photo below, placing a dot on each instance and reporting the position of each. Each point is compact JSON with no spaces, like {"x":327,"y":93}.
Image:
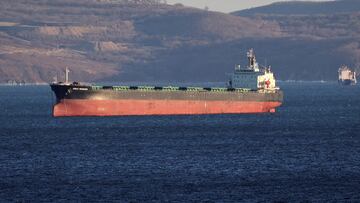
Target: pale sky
{"x":226,"y":5}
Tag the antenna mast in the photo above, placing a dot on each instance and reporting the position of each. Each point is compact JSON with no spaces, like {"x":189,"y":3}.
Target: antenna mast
{"x":251,"y":59}
{"x":67,"y":75}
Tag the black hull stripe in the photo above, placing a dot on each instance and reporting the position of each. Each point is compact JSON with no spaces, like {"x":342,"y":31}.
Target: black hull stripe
{"x":69,"y":92}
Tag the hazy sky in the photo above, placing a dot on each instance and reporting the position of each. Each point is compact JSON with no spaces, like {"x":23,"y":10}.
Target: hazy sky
{"x":225,"y":5}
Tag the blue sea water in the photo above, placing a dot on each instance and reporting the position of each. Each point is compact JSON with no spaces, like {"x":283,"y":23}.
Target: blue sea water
{"x":308,"y":151}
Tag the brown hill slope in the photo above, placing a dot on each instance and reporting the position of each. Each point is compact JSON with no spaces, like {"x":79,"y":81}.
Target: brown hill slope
{"x":147,"y":41}
{"x":108,"y":40}
{"x":332,"y":23}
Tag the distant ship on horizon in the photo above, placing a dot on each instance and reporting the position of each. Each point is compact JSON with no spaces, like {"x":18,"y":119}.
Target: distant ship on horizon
{"x":347,"y":76}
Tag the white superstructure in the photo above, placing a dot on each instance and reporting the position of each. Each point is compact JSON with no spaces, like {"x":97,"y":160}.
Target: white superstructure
{"x":252,"y":77}
{"x":347,"y":76}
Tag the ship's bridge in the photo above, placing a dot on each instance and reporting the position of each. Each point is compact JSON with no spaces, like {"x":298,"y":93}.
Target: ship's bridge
{"x":252,"y":76}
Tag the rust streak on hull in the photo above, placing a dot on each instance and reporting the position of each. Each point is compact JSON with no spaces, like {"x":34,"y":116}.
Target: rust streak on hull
{"x":81,"y":107}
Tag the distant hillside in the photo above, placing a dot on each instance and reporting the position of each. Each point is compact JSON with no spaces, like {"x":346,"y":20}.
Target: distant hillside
{"x":304,"y":8}
{"x":149,"y":41}
{"x":328,"y":31}
{"x":110,"y":40}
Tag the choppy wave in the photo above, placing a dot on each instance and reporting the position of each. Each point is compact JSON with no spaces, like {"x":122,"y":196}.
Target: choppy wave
{"x":307,"y":151}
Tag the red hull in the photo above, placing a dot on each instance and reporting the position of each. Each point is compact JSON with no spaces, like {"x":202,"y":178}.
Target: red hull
{"x":80,"y":107}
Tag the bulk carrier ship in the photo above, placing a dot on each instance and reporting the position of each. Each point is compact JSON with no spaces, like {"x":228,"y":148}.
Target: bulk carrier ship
{"x":251,"y":89}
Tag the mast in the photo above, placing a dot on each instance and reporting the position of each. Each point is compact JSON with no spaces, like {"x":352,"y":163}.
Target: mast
{"x":251,"y":58}
{"x":355,"y":81}
{"x":67,"y":71}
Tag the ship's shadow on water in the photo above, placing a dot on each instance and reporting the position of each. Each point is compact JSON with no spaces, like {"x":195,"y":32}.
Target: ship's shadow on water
{"x":307,"y":151}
